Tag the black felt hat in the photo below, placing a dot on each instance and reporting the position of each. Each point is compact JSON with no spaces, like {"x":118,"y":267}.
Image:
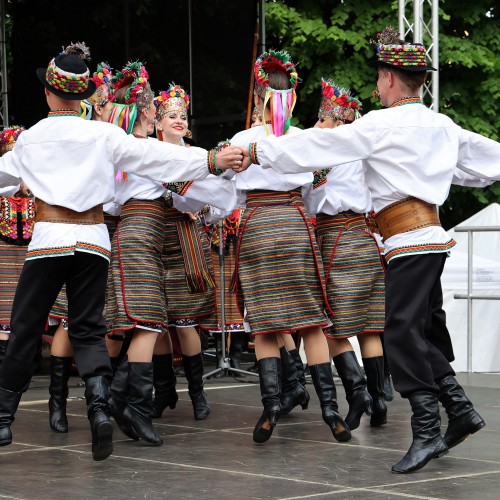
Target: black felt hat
{"x":67,"y":76}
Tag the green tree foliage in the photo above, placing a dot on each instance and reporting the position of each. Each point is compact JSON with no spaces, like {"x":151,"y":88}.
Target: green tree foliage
{"x":330,"y":38}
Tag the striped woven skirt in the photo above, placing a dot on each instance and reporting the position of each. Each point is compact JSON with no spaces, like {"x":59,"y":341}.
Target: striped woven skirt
{"x":278,"y":276}
{"x":232,"y":316}
{"x":11,"y":263}
{"x":147,"y":280}
{"x":354,"y":275}
{"x":59,"y":310}
{"x":189,"y":274}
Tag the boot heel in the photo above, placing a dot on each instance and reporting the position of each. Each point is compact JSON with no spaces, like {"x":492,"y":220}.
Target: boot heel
{"x":305,"y":402}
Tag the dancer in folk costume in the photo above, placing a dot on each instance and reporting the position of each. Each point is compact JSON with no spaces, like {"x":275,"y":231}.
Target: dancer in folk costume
{"x":17,"y":217}
{"x":136,"y":301}
{"x":97,"y":107}
{"x":410,"y":155}
{"x":69,"y":165}
{"x":185,"y":256}
{"x":354,"y":275}
{"x":277,"y":237}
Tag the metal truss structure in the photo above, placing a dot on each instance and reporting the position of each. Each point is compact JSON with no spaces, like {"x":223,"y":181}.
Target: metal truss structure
{"x":424,"y":26}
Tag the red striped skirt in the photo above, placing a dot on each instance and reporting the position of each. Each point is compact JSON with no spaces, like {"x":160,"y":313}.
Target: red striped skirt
{"x":11,"y":264}
{"x":147,"y":283}
{"x":278,"y":275}
{"x":354,"y":275}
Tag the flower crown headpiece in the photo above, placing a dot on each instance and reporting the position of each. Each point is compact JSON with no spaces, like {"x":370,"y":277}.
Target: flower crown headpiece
{"x":337,"y":102}
{"x":8,"y":137}
{"x":392,"y":50}
{"x":175,"y":98}
{"x":104,"y":89}
{"x":281,"y":102}
{"x":135,"y":76}
{"x":66,"y":81}
{"x":274,"y":60}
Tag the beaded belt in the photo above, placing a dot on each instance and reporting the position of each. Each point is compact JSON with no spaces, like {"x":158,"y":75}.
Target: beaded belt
{"x":63,"y":215}
{"x":406,"y":215}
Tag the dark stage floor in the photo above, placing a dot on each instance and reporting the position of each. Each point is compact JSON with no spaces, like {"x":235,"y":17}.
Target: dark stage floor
{"x":216,"y":458}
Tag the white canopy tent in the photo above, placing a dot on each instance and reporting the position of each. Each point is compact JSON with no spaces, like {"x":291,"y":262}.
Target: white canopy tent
{"x":486,"y":281}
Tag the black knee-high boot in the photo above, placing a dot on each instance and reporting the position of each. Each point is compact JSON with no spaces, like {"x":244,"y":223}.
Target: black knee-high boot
{"x":97,"y":397}
{"x":193,"y":367}
{"x":374,"y":370}
{"x":60,"y":370}
{"x":354,"y":384}
{"x":299,"y":366}
{"x":463,"y":419}
{"x":293,"y":393}
{"x":426,"y":429}
{"x":322,"y":378}
{"x":3,"y":348}
{"x":270,"y":390}
{"x":9,"y":401}
{"x":236,"y":349}
{"x":140,"y":397}
{"x":164,"y":381}
{"x":118,"y":399}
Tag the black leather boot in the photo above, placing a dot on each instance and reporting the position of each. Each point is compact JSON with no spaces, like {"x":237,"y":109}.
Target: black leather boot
{"x":426,"y":429}
{"x":193,"y":367}
{"x":388,"y":392}
{"x":322,"y":378}
{"x":3,"y":348}
{"x":118,"y":399}
{"x":374,"y":370}
{"x":236,"y":349}
{"x":299,"y":366}
{"x":60,"y":370}
{"x":9,"y":401}
{"x":270,"y":389}
{"x":354,"y":384}
{"x":293,"y":393}
{"x":164,"y":381}
{"x":97,"y":397}
{"x":463,"y":419}
{"x":140,"y":398}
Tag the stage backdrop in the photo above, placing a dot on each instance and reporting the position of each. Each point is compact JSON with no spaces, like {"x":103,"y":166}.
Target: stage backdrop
{"x":153,"y":31}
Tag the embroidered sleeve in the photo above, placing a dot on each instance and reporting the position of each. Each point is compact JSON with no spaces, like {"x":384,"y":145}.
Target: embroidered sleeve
{"x":320,"y":177}
{"x":180,"y":188}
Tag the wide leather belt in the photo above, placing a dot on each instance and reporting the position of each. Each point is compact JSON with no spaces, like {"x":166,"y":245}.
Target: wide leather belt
{"x":63,"y":215}
{"x":406,"y":215}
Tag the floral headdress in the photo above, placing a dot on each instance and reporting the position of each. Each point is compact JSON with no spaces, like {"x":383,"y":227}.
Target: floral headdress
{"x":104,"y":89}
{"x":392,"y":51}
{"x":137,"y":98}
{"x":175,"y":98}
{"x":134,"y":76}
{"x":281,"y":102}
{"x":8,"y":137}
{"x":337,"y":102}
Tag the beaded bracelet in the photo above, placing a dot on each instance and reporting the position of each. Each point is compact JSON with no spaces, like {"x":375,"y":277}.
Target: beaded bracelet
{"x":212,"y":167}
{"x":252,"y":153}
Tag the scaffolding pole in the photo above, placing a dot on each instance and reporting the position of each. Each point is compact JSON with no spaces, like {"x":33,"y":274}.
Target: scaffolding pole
{"x":4,"y":105}
{"x":423,"y":27}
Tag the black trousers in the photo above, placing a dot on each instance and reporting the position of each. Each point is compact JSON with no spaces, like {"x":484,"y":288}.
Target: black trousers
{"x":416,"y":339}
{"x":85,"y":276}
